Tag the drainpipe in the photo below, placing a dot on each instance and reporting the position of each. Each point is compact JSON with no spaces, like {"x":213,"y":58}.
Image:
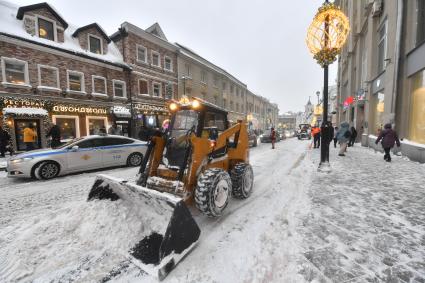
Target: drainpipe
{"x":397,"y":56}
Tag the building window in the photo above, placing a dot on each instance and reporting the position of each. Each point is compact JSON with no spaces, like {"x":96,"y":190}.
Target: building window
{"x":95,"y":44}
{"x":223,"y":86}
{"x":98,"y":85}
{"x":420,"y":25}
{"x":382,"y":47}
{"x":143,"y":87}
{"x":169,"y":91}
{"x":14,"y":71}
{"x":156,"y":89}
{"x":215,"y":81}
{"x":48,"y":76}
{"x":75,"y":81}
{"x":187,"y":70}
{"x":46,"y":29}
{"x":69,"y":126}
{"x":378,"y":112}
{"x":156,"y":60}
{"x":96,"y":125}
{"x":141,"y":54}
{"x":417,"y":116}
{"x":168,"y":64}
{"x":119,"y":89}
{"x":232,"y":88}
{"x":203,"y":77}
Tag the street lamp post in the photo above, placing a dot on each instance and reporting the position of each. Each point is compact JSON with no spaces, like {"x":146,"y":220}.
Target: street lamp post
{"x":325,"y":38}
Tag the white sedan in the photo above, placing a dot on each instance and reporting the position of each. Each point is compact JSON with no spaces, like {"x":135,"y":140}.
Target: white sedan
{"x":80,"y":154}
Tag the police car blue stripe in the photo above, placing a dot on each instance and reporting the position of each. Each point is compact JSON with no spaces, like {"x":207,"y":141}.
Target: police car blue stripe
{"x":33,"y":155}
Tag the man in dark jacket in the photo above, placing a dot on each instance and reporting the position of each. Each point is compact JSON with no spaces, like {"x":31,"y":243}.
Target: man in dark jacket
{"x":389,"y":138}
{"x":4,"y":141}
{"x":55,"y":133}
{"x":352,"y":137}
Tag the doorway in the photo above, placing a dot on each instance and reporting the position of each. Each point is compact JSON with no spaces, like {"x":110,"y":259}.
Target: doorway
{"x":20,"y":125}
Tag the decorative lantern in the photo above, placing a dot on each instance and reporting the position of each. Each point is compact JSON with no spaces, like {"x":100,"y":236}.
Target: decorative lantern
{"x":327,"y":33}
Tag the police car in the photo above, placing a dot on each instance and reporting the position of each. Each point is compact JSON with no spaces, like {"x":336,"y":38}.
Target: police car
{"x":80,"y":154}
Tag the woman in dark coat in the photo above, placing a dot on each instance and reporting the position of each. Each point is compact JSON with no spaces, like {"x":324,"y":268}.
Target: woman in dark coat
{"x":55,"y":133}
{"x":389,"y":138}
{"x":352,"y":137}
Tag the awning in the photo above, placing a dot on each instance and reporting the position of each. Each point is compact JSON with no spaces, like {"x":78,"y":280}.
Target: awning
{"x":25,"y":111}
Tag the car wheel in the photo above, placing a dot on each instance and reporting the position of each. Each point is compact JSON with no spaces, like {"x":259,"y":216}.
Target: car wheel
{"x":48,"y":170}
{"x":135,"y":159}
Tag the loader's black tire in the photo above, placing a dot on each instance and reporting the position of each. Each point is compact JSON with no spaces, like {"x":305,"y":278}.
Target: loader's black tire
{"x":242,"y":180}
{"x":213,"y":192}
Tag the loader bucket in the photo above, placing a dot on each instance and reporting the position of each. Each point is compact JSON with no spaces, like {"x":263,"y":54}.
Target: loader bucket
{"x":173,"y":234}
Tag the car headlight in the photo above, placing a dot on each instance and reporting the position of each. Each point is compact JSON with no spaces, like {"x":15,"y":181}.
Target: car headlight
{"x":19,"y":160}
{"x":261,"y":136}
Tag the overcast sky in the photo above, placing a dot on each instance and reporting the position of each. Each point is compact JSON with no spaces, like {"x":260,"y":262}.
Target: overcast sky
{"x":262,"y":43}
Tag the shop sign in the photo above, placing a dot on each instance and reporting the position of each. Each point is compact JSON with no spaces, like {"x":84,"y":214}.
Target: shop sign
{"x":121,"y":111}
{"x":23,"y":103}
{"x":149,"y":108}
{"x":79,"y":109}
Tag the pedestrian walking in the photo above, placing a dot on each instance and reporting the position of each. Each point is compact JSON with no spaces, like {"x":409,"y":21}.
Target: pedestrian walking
{"x":273,"y":136}
{"x":30,"y":136}
{"x":114,"y":130}
{"x":389,"y":137}
{"x":343,"y":138}
{"x":334,"y":138}
{"x":55,"y":134}
{"x":4,"y":142}
{"x":352,"y":137}
{"x":316,"y":136}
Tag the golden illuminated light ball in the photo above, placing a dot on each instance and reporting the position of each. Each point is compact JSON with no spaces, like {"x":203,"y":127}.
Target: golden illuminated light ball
{"x":326,"y":44}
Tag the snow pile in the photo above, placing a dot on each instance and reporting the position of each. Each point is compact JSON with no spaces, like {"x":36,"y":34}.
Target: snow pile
{"x":25,"y":111}
{"x":80,"y":241}
{"x":9,"y":24}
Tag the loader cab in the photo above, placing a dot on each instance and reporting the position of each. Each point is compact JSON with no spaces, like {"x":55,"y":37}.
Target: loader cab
{"x":200,"y":118}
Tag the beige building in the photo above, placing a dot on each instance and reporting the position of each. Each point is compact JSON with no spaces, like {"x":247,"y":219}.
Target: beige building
{"x":381,"y":69}
{"x":197,"y":77}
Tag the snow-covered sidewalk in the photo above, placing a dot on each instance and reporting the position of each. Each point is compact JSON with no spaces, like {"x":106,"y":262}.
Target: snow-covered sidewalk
{"x":367,"y":220}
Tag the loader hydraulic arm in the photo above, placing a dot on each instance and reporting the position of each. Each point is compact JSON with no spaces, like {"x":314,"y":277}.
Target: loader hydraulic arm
{"x":223,"y":138}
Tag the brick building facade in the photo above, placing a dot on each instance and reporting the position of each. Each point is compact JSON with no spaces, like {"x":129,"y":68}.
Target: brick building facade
{"x":51,"y":73}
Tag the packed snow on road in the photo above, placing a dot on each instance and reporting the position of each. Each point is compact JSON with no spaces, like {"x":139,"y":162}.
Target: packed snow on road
{"x":363,"y":222}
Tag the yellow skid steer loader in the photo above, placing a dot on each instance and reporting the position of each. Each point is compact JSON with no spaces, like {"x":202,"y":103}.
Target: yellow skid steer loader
{"x":200,"y":159}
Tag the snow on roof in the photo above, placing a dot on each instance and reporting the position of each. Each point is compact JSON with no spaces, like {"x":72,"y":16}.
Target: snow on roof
{"x":25,"y":111}
{"x":9,"y":24}
{"x":194,"y":56}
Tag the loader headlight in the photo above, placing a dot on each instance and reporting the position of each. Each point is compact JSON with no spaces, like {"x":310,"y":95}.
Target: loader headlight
{"x":173,"y":106}
{"x":19,"y":160}
{"x":195,"y":104}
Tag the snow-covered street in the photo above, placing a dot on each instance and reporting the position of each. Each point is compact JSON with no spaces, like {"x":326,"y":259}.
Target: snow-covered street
{"x":363,"y":222}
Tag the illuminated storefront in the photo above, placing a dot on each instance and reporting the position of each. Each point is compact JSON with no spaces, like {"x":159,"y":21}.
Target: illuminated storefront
{"x":417,"y":116}
{"x":150,"y":116}
{"x":74,"y":120}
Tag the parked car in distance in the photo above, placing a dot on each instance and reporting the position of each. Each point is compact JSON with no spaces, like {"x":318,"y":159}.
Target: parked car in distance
{"x":304,"y":131}
{"x":266,"y":137}
{"x":252,"y":138}
{"x":77,"y":155}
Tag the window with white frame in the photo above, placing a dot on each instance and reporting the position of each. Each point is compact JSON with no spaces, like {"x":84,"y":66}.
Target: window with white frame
{"x":14,"y":71}
{"x":119,"y":88}
{"x":168,"y":64}
{"x":156,"y":89}
{"x":215,"y":81}
{"x":188,"y":70}
{"x":203,"y":77}
{"x":382,"y":47}
{"x":75,"y":81}
{"x":95,"y":44}
{"x":98,"y":85}
{"x":143,"y":87}
{"x":141,"y":54}
{"x":46,"y":28}
{"x":169,"y":91}
{"x":156,"y":59}
{"x":48,"y":76}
